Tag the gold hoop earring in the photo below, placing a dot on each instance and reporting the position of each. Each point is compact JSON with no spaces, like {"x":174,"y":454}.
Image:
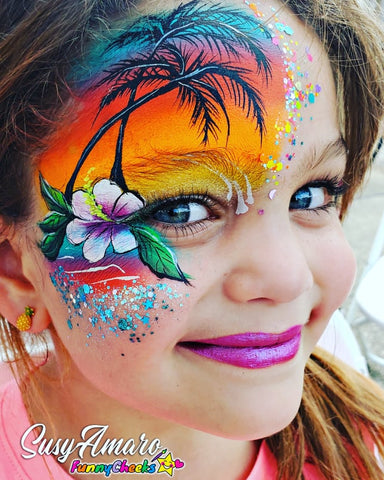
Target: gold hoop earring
{"x":24,"y":321}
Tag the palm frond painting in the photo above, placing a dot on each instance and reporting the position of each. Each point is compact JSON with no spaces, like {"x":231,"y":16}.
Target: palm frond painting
{"x":195,"y":51}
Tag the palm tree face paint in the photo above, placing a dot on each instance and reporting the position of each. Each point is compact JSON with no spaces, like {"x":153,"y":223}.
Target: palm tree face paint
{"x":173,"y":112}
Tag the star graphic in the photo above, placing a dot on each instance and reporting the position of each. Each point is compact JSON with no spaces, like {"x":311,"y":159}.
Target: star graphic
{"x":167,"y":464}
{"x":148,"y":304}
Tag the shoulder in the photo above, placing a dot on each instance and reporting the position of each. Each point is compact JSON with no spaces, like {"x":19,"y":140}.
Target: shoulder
{"x":12,"y":414}
{"x":5,"y":374}
{"x":14,"y":422}
{"x":12,"y":409}
{"x":266,"y":468}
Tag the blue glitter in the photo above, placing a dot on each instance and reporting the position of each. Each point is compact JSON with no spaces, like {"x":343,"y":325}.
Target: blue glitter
{"x":311,"y":98}
{"x":125,"y":324}
{"x":148,"y":304}
{"x":115,"y":306}
{"x":144,"y":320}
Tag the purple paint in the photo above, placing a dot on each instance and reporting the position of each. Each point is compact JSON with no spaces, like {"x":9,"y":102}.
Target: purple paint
{"x":249,"y":350}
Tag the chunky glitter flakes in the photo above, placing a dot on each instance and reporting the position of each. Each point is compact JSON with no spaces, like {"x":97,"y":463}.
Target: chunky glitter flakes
{"x":130,"y":309}
{"x":299,"y":91}
{"x":284,"y":28}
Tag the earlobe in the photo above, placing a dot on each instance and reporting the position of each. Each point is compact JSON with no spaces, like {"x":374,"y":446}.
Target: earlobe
{"x":17,"y":292}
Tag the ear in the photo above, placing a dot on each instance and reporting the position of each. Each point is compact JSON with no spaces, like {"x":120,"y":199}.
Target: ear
{"x":16,"y":290}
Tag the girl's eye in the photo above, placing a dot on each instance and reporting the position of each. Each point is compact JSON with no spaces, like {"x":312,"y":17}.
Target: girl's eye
{"x":186,"y":212}
{"x":185,"y":218}
{"x":319,"y":195}
{"x":310,"y":198}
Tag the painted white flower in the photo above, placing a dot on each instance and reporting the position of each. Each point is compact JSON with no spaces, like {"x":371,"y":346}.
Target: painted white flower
{"x":99,"y":217}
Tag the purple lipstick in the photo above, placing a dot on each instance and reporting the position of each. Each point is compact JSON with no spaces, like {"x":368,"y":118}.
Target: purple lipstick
{"x":249,"y":350}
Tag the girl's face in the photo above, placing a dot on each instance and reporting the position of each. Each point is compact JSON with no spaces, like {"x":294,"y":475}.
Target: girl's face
{"x":191,"y":233}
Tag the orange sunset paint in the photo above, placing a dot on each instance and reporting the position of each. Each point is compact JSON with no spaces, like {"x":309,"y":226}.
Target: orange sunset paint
{"x":191,"y":108}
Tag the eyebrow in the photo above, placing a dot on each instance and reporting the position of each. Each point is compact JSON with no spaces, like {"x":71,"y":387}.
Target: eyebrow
{"x":213,"y":159}
{"x":334,"y":149}
{"x":237,"y":173}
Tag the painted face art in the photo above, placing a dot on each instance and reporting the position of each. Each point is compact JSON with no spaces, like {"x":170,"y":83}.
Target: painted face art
{"x":173,"y":111}
{"x":188,"y":219}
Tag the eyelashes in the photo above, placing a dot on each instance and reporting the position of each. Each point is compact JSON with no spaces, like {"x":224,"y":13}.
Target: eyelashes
{"x":335,"y":186}
{"x":160,"y":204}
{"x":319,"y":195}
{"x":183,"y":214}
{"x":186,"y":215}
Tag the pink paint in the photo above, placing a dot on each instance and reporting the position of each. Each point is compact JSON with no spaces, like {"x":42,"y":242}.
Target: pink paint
{"x":249,"y":350}
{"x":309,"y":56}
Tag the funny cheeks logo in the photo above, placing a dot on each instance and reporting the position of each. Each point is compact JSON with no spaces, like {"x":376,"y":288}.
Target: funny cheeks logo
{"x":161,"y":463}
{"x":156,"y":459}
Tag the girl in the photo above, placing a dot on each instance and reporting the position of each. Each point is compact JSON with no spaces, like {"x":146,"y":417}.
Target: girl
{"x":173,"y":175}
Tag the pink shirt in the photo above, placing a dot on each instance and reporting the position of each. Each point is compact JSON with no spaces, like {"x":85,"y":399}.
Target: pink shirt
{"x":14,"y":422}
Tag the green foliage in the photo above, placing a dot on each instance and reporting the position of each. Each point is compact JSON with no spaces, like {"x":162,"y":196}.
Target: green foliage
{"x":55,"y":222}
{"x":154,"y":253}
{"x":51,"y":244}
{"x":54,"y":199}
{"x":152,"y":248}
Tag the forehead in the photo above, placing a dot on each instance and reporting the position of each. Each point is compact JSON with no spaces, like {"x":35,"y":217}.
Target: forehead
{"x":196,"y":77}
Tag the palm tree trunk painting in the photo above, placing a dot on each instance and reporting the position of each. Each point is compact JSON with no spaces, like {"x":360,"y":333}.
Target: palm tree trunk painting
{"x":195,"y":51}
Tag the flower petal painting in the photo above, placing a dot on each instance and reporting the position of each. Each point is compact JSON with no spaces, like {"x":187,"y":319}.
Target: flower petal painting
{"x":99,"y":220}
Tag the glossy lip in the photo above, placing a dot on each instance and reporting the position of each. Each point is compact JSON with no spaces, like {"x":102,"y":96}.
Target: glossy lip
{"x":249,"y":350}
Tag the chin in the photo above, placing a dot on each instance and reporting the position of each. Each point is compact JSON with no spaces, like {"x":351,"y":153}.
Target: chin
{"x":246,"y":416}
{"x":268,"y":422}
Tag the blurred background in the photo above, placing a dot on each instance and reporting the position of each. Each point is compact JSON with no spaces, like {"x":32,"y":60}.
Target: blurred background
{"x":360,"y":227}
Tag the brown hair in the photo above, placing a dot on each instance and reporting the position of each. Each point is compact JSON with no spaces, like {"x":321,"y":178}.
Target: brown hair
{"x":40,"y":40}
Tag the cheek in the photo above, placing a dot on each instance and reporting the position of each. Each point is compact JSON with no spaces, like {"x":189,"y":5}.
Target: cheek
{"x":116,"y":329}
{"x":333,"y":268}
{"x":335,"y":271}
{"x":113,"y":304}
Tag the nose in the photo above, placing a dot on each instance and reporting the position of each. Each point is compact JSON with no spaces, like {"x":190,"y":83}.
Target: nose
{"x":270,"y":263}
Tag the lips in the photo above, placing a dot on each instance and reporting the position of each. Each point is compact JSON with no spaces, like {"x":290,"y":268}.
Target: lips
{"x":249,"y":350}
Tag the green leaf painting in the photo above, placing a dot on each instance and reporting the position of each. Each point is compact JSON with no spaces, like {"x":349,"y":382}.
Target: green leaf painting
{"x":195,"y":51}
{"x":51,"y":244}
{"x":53,"y":221}
{"x":54,"y":199}
{"x":63,"y":221}
{"x":156,"y":254}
